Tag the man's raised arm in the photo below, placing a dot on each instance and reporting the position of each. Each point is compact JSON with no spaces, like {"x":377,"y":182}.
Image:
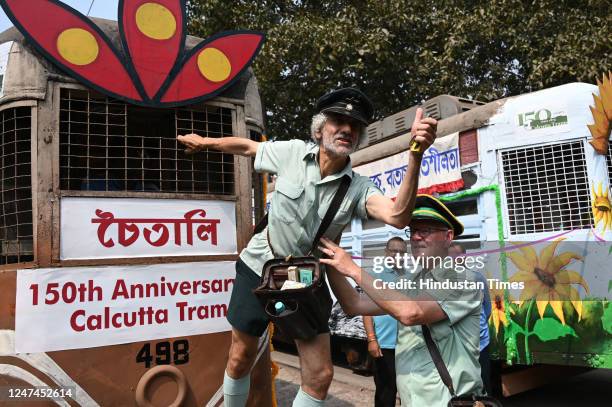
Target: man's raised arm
{"x":231,"y":145}
{"x":399,"y":213}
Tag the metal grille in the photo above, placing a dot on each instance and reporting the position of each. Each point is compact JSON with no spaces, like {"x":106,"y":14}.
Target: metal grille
{"x":16,"y":186}
{"x":209,"y":171}
{"x":547,"y":188}
{"x":107,"y":145}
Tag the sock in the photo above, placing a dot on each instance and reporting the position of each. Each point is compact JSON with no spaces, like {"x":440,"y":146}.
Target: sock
{"x":303,"y":399}
{"x":236,"y":391}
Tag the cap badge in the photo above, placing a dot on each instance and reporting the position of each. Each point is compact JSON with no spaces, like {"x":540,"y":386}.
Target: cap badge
{"x":349,"y":107}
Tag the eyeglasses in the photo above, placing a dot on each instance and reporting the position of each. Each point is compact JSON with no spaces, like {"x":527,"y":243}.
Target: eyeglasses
{"x":424,"y":232}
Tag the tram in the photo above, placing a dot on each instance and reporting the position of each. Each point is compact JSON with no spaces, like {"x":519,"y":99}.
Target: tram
{"x":117,"y":249}
{"x":529,"y":177}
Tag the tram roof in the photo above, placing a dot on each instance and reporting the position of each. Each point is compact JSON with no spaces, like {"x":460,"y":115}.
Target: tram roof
{"x":111,"y":29}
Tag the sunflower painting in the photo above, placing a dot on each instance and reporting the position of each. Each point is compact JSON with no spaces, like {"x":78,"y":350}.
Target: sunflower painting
{"x":602,"y":208}
{"x":498,"y":309}
{"x":602,"y":115}
{"x":546,"y":279}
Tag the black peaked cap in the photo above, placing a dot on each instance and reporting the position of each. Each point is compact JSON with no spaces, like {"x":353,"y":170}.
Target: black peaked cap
{"x":348,"y":102}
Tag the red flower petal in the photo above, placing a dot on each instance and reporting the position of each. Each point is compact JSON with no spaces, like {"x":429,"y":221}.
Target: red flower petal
{"x":211,"y":67}
{"x":153,"y":32}
{"x":74,"y":43}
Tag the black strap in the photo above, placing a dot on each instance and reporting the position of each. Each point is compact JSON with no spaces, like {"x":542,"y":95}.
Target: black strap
{"x":329,"y":215}
{"x":261,"y":225}
{"x":437,"y":359}
{"x":333,"y":208}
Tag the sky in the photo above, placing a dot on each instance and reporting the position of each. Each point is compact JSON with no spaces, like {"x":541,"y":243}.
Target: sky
{"x":101,"y":8}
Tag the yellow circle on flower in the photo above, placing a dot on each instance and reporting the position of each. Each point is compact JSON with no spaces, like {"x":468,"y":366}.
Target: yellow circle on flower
{"x":155,"y":21}
{"x":214,"y":65}
{"x":78,"y":46}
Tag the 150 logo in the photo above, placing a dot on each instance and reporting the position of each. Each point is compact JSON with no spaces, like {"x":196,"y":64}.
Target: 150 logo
{"x":542,"y":118}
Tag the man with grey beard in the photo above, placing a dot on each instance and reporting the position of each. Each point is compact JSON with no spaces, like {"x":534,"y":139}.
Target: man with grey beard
{"x":308,"y":176}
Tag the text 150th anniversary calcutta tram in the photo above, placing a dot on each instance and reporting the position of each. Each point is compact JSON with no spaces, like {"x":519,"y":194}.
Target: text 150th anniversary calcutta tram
{"x":116,"y":249}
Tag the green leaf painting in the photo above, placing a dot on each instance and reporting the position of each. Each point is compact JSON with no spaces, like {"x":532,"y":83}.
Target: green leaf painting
{"x":513,"y":329}
{"x":606,"y":319}
{"x":549,"y":329}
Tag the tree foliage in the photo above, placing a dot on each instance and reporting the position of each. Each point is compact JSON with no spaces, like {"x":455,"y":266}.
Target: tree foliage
{"x":403,"y":52}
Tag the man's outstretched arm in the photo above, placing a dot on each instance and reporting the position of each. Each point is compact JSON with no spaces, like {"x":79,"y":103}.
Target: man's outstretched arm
{"x":352,"y":302}
{"x":408,"y":311}
{"x":231,"y":145}
{"x":398,"y":213}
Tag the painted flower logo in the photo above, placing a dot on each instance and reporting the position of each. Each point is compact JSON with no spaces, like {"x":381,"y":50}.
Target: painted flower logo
{"x":602,"y":208}
{"x":151,"y":66}
{"x":546,"y":279}
{"x":498,"y":308}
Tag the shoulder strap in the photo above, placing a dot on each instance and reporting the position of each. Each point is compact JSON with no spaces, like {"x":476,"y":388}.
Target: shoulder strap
{"x":437,"y":359}
{"x":261,"y":225}
{"x":333,"y":208}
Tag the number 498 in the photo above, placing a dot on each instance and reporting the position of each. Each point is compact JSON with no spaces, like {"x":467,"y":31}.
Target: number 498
{"x":165,"y":354}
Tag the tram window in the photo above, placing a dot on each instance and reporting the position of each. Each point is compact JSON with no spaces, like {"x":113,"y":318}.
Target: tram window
{"x":369,"y":251}
{"x":469,"y":179}
{"x":463,"y":207}
{"x":469,"y":242}
{"x":107,"y":145}
{"x":372,"y":224}
{"x":16,"y":186}
{"x":547,"y":188}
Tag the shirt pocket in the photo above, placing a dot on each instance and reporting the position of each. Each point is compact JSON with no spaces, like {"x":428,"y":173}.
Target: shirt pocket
{"x":340,"y":220}
{"x":286,"y":201}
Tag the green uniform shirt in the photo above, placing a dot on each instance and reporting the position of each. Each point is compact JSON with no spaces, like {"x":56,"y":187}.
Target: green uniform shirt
{"x":300,"y":201}
{"x":457,"y":338}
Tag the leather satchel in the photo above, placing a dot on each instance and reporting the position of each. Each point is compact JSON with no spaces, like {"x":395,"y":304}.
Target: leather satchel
{"x":469,"y":400}
{"x":307,"y":309}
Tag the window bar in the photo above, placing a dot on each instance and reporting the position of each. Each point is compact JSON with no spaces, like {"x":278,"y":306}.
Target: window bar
{"x":16,"y":231}
{"x":86,"y":118}
{"x":541,"y":182}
